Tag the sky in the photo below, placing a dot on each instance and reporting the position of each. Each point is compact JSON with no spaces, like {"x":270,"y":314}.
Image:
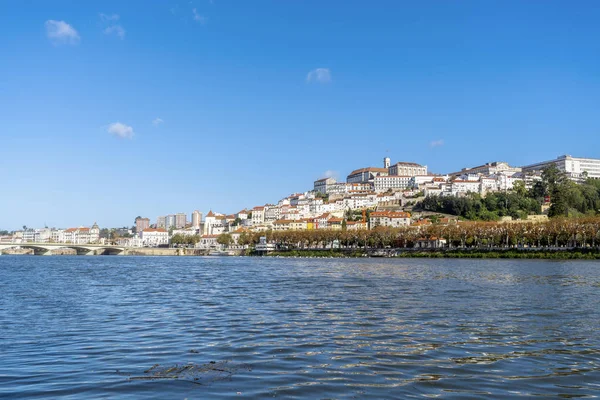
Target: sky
{"x":114,"y":109}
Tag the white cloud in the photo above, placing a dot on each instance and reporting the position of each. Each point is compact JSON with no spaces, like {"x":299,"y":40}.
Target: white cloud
{"x":199,"y":18}
{"x":330,"y":174}
{"x":157,"y":121}
{"x":116,"y":29}
{"x":59,"y":32}
{"x":111,"y":26}
{"x":108,"y":18}
{"x":437,"y":143}
{"x":321,"y":75}
{"x":120,"y":130}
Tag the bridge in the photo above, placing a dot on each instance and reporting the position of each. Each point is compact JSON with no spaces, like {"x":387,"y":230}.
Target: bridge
{"x":81,"y":249}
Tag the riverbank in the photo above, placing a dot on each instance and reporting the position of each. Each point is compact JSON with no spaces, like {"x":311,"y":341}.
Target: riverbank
{"x":575,"y":254}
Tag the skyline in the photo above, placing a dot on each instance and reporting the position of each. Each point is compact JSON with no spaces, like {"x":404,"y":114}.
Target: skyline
{"x":116,"y":110}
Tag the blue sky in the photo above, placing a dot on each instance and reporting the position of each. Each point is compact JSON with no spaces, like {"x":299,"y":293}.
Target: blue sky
{"x":240,"y":120}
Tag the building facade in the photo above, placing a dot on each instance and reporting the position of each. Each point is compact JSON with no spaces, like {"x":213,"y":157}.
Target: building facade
{"x":321,"y":185}
{"x":81,"y":235}
{"x":383,"y":183}
{"x":575,"y":168}
{"x":180,"y":220}
{"x":490,"y":168}
{"x":407,"y":169}
{"x":365,"y":175}
{"x":141,"y":224}
{"x":153,"y":237}
{"x":196,"y":219}
{"x":392,"y":219}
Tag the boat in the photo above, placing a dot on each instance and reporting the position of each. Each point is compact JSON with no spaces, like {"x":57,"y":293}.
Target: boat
{"x":220,"y":253}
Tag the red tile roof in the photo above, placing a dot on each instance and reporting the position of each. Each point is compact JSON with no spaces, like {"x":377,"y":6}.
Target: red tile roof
{"x":390,"y":214}
{"x":154,"y":230}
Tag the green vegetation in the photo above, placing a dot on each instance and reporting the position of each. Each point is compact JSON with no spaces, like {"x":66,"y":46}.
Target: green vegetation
{"x":568,"y":199}
{"x":581,"y":254}
{"x":316,"y":253}
{"x":185,"y":239}
{"x":225,"y":239}
{"x":490,"y":208}
{"x":323,"y":196}
{"x":556,"y":234}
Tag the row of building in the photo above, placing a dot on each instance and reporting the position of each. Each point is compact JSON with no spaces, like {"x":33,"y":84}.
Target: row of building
{"x":332,"y":204}
{"x":79,"y":235}
{"x":386,"y":190}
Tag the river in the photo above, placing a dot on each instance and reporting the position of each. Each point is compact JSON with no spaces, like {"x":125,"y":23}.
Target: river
{"x":201,"y":327}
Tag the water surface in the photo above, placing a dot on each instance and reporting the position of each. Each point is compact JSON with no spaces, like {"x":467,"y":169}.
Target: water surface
{"x":82,"y":327}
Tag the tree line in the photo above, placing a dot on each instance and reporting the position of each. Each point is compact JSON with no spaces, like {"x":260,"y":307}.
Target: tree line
{"x":567,"y":199}
{"x":558,"y":232}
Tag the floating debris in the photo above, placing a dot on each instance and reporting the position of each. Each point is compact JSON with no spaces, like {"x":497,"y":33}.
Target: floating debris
{"x":200,"y":374}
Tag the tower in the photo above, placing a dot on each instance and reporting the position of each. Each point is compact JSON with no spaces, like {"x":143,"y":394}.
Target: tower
{"x":386,"y":162}
{"x":196,"y":219}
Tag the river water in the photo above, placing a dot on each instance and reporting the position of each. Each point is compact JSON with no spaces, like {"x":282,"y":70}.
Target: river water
{"x":149,"y":327}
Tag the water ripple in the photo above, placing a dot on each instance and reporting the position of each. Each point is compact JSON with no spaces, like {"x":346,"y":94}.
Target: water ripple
{"x":73,"y":327}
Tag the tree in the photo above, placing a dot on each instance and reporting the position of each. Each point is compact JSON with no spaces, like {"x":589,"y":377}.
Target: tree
{"x":225,"y":239}
{"x":519,"y":188}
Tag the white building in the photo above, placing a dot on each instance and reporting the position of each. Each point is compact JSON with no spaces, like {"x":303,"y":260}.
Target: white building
{"x":258,"y":215}
{"x":153,"y":237}
{"x":576,"y":168}
{"x":383,"y":183}
{"x":461,"y":186}
{"x":214,"y":223}
{"x":389,"y":218}
{"x":208,"y":242}
{"x":81,"y":235}
{"x":490,"y":168}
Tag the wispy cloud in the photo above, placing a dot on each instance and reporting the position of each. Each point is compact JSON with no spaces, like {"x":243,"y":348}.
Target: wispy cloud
{"x":157,"y":121}
{"x":437,"y":143}
{"x":120,"y":130}
{"x":109,"y":18}
{"x":59,"y":32}
{"x":111,"y":25}
{"x":330,"y":174}
{"x":320,"y":75}
{"x":198,"y":17}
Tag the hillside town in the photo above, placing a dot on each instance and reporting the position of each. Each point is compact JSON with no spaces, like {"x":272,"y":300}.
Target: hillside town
{"x":369,"y":198}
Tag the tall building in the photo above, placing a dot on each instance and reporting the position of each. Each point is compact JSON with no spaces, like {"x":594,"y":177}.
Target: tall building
{"x":161,"y":222}
{"x":180,"y":220}
{"x":141,"y":224}
{"x":169,"y":221}
{"x":196,"y":219}
{"x":576,"y":168}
